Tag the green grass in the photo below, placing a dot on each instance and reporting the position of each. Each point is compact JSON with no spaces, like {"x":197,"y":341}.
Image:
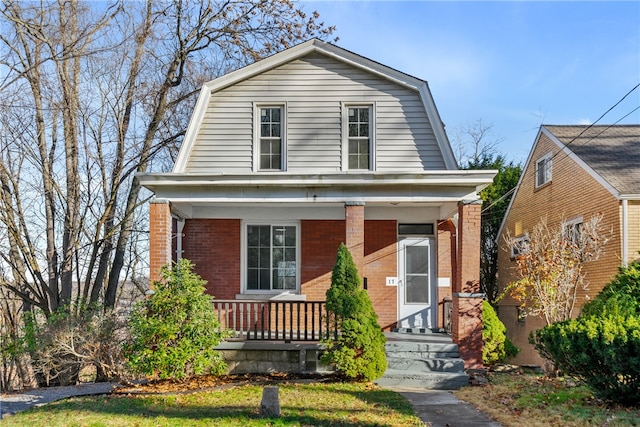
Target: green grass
{"x":335,"y":404}
{"x":511,"y":398}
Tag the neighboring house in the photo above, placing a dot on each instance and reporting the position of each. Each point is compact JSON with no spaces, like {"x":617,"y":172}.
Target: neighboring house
{"x":572,"y":174}
{"x":288,"y":157}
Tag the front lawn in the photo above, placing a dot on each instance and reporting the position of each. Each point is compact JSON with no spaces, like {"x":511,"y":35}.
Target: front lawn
{"x":317,"y":404}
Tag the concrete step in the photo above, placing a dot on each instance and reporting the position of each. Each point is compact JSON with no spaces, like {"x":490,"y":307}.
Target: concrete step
{"x":425,"y":365}
{"x":423,"y":380}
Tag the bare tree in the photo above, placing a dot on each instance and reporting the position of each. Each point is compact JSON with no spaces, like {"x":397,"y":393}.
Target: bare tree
{"x":92,"y":94}
{"x":550,"y":265}
{"x":476,"y":145}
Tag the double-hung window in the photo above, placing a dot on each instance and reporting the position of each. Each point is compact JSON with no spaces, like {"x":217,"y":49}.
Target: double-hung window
{"x":359,"y":131}
{"x":271,"y":257}
{"x":270,"y":137}
{"x":573,"y":231}
{"x":543,"y":170}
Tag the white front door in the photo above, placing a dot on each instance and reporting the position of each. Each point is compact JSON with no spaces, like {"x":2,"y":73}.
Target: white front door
{"x":416,"y":284}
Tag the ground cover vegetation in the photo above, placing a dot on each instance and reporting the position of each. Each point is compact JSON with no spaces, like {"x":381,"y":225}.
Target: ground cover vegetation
{"x":317,"y":404}
{"x":518,"y":397}
{"x":93,"y":93}
{"x":357,"y":352}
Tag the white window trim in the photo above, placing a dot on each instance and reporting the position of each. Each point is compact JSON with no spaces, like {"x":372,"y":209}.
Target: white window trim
{"x":256,"y":135}
{"x":546,"y":158}
{"x":260,"y":294}
{"x":345,"y":134}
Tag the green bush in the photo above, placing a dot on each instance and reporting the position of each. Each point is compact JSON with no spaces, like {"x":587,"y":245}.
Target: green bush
{"x":358,"y":350}
{"x":174,"y":332}
{"x":496,"y":347}
{"x":601,"y":346}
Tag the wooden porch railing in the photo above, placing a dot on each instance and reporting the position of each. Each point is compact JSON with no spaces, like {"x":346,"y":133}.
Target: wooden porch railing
{"x":274,"y":320}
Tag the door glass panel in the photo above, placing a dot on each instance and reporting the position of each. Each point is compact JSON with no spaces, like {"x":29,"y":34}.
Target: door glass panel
{"x":417,"y":260}
{"x":417,"y":290}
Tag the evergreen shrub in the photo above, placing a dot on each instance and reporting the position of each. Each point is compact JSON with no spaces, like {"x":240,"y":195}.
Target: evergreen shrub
{"x":174,"y":332}
{"x":358,"y":350}
{"x":601,"y":346}
{"x":496,"y":347}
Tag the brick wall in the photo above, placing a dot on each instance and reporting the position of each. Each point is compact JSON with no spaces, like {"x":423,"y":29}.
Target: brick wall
{"x":319,"y":245}
{"x":320,"y":241}
{"x":213,"y":245}
{"x":380,"y":262}
{"x":571,"y":193}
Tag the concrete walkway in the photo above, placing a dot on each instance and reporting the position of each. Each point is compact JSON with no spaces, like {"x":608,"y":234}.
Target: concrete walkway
{"x":436,"y":408}
{"x":10,"y":403}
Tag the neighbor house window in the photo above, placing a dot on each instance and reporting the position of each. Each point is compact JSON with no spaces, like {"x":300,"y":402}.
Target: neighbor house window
{"x":519,"y":245}
{"x":573,"y":231}
{"x":271,"y":257}
{"x":270,"y":137}
{"x":543,"y":170}
{"x":359,"y":144}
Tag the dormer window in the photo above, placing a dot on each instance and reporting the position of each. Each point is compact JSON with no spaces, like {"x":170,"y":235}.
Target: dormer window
{"x":359,"y":137}
{"x":543,"y":170}
{"x":270,"y":147}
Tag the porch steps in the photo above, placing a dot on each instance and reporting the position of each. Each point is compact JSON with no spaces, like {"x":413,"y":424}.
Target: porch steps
{"x":423,"y":360}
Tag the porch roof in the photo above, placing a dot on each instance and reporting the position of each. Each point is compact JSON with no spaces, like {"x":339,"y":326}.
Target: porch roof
{"x":443,"y":189}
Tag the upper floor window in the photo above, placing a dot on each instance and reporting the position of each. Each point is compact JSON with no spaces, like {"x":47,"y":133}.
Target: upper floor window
{"x":359,"y":144}
{"x":543,"y":170}
{"x":271,"y":137}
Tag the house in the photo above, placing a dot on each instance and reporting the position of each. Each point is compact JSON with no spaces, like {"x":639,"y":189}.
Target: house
{"x":573,"y":173}
{"x":286,"y":158}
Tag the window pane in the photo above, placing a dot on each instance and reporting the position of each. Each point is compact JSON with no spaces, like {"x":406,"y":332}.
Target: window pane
{"x":364,"y":130}
{"x":265,"y":257}
{"x":417,"y":290}
{"x":253,"y":257}
{"x":417,"y":259}
{"x":264,"y":279}
{"x":252,"y":278}
{"x":275,"y":130}
{"x":290,"y":236}
{"x":275,"y":114}
{"x":364,"y":114}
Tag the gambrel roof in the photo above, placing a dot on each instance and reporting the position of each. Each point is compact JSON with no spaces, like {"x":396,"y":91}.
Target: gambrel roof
{"x":611,"y":151}
{"x":304,"y":49}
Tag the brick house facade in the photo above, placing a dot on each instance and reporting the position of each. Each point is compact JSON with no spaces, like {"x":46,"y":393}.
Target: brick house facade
{"x":315,"y":146}
{"x":592,"y":170}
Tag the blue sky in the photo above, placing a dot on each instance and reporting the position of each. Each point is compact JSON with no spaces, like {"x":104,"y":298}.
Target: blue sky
{"x":512,"y":64}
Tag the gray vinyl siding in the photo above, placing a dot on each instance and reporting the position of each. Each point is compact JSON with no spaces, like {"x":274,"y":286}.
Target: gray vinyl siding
{"x":314,"y":89}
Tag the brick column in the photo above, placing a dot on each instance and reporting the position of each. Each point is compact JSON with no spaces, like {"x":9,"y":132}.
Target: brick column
{"x":467,"y":299}
{"x":354,"y":223}
{"x":159,"y":236}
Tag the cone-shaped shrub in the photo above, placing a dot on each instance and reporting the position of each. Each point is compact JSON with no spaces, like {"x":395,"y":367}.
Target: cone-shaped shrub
{"x":358,"y":351}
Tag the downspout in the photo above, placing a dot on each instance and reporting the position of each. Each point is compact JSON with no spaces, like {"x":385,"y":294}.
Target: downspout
{"x":179,"y":236}
{"x":625,"y":232}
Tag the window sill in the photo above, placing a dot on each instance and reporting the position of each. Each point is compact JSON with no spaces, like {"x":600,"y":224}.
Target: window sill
{"x":283,"y":296}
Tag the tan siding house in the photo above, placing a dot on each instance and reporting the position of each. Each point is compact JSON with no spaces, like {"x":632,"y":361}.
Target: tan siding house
{"x":286,"y":158}
{"x":571,"y":174}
